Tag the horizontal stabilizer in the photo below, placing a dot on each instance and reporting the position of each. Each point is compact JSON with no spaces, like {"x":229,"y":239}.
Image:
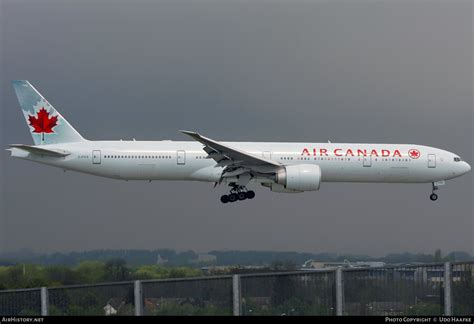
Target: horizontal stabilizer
{"x":40,"y":150}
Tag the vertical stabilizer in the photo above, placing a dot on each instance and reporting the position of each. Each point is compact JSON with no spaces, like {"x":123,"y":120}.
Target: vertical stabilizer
{"x":46,"y":124}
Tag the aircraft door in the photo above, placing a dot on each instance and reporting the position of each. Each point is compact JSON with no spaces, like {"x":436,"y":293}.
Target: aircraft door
{"x":96,"y":157}
{"x":367,"y":161}
{"x":267,"y":155}
{"x":181,"y":157}
{"x":431,"y":161}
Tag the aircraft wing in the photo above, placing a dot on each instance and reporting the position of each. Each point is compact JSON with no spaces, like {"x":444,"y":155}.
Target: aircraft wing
{"x":40,"y":150}
{"x":235,"y":161}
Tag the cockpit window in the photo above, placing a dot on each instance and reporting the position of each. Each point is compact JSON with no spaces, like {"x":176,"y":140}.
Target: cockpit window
{"x":457,"y":159}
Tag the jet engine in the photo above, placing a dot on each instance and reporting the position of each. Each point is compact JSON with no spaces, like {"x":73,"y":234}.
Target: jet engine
{"x":299,"y":177}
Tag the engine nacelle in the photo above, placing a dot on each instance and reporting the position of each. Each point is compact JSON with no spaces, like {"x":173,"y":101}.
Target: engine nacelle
{"x":300,"y":177}
{"x":275,"y":187}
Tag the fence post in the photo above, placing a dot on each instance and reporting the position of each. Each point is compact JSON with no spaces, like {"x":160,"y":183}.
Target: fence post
{"x":44,"y":301}
{"x":339,"y":292}
{"x":237,"y":297}
{"x":448,"y":297}
{"x":138,"y":294}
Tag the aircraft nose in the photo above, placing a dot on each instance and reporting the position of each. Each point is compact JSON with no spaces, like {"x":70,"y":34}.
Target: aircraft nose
{"x":466,"y":167}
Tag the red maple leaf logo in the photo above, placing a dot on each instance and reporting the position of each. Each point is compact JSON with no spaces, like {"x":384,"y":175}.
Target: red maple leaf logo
{"x":414,"y":154}
{"x":43,"y":123}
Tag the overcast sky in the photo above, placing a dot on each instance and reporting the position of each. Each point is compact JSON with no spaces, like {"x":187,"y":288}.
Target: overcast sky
{"x":348,"y":71}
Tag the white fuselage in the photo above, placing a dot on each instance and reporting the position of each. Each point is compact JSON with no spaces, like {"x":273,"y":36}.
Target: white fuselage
{"x":176,"y":160}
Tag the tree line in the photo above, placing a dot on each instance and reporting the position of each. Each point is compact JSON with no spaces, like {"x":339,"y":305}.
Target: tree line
{"x":221,"y":258}
{"x":87,"y":272}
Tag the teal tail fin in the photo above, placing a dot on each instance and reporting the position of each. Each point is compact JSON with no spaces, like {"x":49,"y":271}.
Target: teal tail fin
{"x":46,"y":124}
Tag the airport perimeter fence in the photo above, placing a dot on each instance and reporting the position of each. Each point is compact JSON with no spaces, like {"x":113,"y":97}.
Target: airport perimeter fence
{"x":429,"y":289}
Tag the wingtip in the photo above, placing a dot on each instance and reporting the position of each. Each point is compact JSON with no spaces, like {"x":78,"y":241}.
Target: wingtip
{"x":188,"y":132}
{"x":19,"y":81}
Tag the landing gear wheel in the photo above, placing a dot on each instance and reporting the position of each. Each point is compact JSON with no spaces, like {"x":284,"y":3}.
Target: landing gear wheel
{"x":232,"y":197}
{"x":250,"y":194}
{"x":241,"y":196}
{"x":237,"y":192}
{"x":433,"y":195}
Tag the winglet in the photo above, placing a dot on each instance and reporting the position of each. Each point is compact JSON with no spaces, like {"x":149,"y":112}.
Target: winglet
{"x":190,"y":133}
{"x":196,"y":136}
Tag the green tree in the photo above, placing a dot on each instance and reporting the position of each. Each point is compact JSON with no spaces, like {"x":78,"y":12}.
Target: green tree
{"x":437,"y":256}
{"x":61,"y":275}
{"x":145,"y":273}
{"x":116,"y":270}
{"x":91,"y":271}
{"x":286,"y":265}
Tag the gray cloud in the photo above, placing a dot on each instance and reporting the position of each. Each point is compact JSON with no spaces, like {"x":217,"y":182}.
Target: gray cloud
{"x":349,"y":71}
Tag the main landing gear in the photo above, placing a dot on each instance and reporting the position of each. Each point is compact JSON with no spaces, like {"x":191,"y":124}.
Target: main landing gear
{"x":433,"y":195}
{"x":237,"y":193}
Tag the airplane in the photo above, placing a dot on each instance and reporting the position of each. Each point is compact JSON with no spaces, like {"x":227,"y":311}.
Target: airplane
{"x":282,"y":167}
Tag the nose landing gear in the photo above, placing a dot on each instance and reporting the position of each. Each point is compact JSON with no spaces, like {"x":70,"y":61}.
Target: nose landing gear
{"x":433,"y":195}
{"x":237,"y":193}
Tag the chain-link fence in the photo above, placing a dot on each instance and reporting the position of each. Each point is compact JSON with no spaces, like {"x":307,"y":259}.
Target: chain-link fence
{"x":295,"y":293}
{"x":409,"y":290}
{"x":463,"y":288}
{"x":196,"y":296}
{"x":104,"y":299}
{"x":433,"y":289}
{"x":21,"y":302}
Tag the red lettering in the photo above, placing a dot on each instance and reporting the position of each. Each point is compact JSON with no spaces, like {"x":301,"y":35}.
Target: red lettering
{"x":336,"y":152}
{"x":397,"y":153}
{"x":305,"y":152}
{"x":374,"y":152}
{"x":361,"y":152}
{"x":323,"y":151}
{"x":314,"y":151}
{"x":385,"y":153}
{"x":349,"y":152}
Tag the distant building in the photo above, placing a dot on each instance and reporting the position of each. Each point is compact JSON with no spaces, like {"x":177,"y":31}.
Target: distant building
{"x":233,"y":269}
{"x":160,"y":260}
{"x":415,"y":272}
{"x":426,"y":274}
{"x":202,"y":258}
{"x":367,"y":264}
{"x":109,"y":310}
{"x":113,"y":306}
{"x":312,"y":264}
